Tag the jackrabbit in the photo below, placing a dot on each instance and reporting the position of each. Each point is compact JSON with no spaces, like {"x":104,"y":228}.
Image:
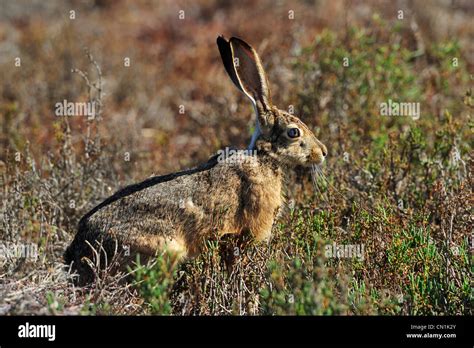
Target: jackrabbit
{"x":238,"y":193}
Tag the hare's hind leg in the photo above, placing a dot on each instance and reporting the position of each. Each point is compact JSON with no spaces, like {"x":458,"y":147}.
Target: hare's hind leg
{"x":152,"y":245}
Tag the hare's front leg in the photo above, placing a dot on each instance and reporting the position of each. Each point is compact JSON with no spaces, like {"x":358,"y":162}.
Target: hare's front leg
{"x":262,"y":227}
{"x":263,"y":205}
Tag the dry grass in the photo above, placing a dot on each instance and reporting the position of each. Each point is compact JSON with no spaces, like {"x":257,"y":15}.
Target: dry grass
{"x":400,"y":187}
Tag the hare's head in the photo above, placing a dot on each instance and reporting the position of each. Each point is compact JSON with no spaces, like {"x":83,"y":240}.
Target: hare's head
{"x":281,"y":134}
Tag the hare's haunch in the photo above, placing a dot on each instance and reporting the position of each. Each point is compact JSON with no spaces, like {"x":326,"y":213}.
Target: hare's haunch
{"x":237,"y":193}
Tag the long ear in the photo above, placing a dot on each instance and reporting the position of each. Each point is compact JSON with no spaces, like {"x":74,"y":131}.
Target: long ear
{"x":228,"y":60}
{"x":244,"y":67}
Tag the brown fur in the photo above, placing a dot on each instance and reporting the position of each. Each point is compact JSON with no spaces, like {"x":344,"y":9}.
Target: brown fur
{"x":238,"y":194}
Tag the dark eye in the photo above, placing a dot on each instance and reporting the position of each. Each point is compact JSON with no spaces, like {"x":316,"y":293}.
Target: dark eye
{"x":293,"y":132}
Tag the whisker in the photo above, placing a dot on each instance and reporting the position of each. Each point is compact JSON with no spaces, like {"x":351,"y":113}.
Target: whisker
{"x":314,"y":177}
{"x":321,"y":175}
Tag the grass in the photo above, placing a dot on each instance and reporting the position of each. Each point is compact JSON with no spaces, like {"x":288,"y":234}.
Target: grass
{"x":396,"y":188}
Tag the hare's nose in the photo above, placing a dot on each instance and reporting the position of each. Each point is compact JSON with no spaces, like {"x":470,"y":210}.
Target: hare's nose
{"x":324,"y":150}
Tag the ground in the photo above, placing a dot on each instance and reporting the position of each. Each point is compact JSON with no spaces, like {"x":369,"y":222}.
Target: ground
{"x":385,"y":227}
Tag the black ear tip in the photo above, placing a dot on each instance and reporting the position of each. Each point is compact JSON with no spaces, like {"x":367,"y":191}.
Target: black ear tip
{"x":221,"y":38}
{"x":239,"y":41}
{"x":223,"y":45}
